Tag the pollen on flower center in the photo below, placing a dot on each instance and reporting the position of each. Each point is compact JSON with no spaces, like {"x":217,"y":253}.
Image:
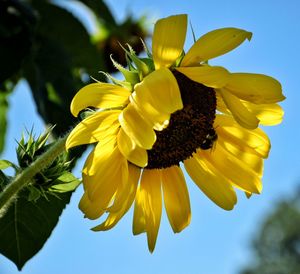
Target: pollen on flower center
{"x":188,"y":127}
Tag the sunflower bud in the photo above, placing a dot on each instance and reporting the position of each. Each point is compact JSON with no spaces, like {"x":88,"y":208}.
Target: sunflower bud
{"x":56,"y":178}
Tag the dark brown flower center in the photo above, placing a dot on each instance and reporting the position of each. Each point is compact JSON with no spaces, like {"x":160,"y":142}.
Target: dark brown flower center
{"x":189,"y":129}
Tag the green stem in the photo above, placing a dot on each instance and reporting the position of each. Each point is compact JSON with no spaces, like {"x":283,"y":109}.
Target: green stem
{"x":21,"y":180}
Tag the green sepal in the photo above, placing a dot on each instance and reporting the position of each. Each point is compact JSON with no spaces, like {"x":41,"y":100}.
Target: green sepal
{"x":140,"y":65}
{"x":179,"y":59}
{"x":149,"y":62}
{"x":131,"y":67}
{"x":86,"y":113}
{"x":149,"y":54}
{"x":124,"y":84}
{"x":130,"y":75}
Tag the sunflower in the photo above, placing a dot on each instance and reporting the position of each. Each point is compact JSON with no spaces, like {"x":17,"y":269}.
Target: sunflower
{"x":173,"y":110}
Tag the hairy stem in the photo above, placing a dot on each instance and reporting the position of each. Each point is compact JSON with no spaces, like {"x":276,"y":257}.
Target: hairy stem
{"x":22,"y":179}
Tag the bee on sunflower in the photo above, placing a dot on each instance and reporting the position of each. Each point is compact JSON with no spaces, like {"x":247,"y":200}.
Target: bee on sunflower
{"x":168,"y":113}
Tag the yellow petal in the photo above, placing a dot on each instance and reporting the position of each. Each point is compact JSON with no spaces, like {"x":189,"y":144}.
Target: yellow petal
{"x":268,"y":114}
{"x":139,"y":215}
{"x":126,"y":191}
{"x":123,"y":200}
{"x":241,"y":114}
{"x":94,"y":128}
{"x":137,"y":128}
{"x":151,"y":186}
{"x":168,"y":40}
{"x":90,"y":209}
{"x":101,"y":153}
{"x":231,"y":167}
{"x":215,"y":77}
{"x":246,"y":155}
{"x":99,"y":95}
{"x":215,"y":43}
{"x":255,"y":140}
{"x":176,"y":198}
{"x":131,"y":151}
{"x":221,"y":106}
{"x":160,"y":90}
{"x":157,"y":119}
{"x":255,"y":88}
{"x":108,"y":178}
{"x":211,"y":182}
{"x":104,"y":172}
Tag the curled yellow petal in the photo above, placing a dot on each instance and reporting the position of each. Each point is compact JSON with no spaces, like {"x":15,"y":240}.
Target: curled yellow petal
{"x":110,"y":174}
{"x":231,"y":167}
{"x":160,"y":90}
{"x":94,"y":128}
{"x":268,"y":114}
{"x":246,"y":155}
{"x":102,"y":152}
{"x":215,"y":43}
{"x":158,"y":119}
{"x":99,"y":95}
{"x":168,"y":40}
{"x":215,"y":77}
{"x":137,"y":128}
{"x":131,"y":151}
{"x":90,"y":209}
{"x":123,"y":201}
{"x":241,"y":114}
{"x":254,"y":140}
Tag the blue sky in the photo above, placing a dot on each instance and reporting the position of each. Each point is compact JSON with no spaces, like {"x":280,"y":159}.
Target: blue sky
{"x":216,"y":242}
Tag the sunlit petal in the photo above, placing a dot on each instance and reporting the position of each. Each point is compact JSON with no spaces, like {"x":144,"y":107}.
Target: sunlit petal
{"x":160,"y":90}
{"x":255,"y":140}
{"x":167,"y":43}
{"x":148,"y":208}
{"x":255,"y":88}
{"x":99,"y":95}
{"x":215,"y":43}
{"x":268,"y":114}
{"x":176,"y":198}
{"x":131,"y":151}
{"x":211,"y":182}
{"x":241,"y":114}
{"x":231,"y":167}
{"x":123,"y":201}
{"x":94,"y":128}
{"x":215,"y":77}
{"x":137,"y":128}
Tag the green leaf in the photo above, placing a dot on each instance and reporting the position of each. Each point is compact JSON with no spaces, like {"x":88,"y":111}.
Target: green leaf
{"x":64,"y":183}
{"x":26,"y":226}
{"x":59,"y":25}
{"x":5,"y":164}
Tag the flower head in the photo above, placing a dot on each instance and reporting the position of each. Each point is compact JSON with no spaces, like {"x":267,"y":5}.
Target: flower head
{"x":173,"y":108}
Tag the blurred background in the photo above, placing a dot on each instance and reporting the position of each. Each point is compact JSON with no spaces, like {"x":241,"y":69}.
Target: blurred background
{"x":48,"y":50}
